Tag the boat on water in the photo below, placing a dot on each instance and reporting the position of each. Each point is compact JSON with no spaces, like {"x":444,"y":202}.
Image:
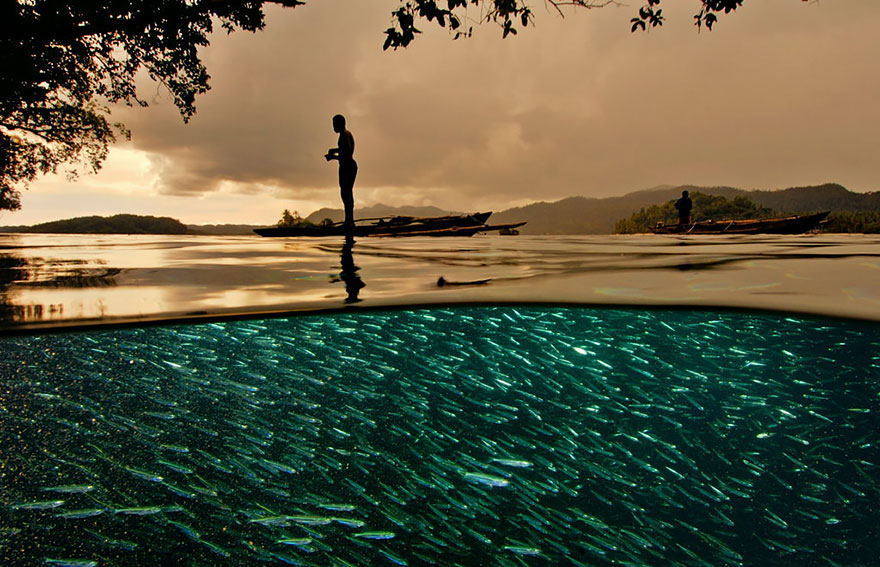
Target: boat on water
{"x":781,"y":225}
{"x":452,"y":225}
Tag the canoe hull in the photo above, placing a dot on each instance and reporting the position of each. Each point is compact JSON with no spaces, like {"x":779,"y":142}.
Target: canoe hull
{"x":461,"y":225}
{"x":786,"y":225}
{"x":456,"y":230}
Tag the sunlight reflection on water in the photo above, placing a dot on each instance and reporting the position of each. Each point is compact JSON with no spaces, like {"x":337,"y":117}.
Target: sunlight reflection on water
{"x":71,"y":279}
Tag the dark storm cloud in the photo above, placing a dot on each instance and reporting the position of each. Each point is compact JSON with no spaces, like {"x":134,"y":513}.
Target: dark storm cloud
{"x":777,"y":95}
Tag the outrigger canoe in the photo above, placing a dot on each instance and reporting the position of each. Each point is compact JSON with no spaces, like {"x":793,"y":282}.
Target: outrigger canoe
{"x":783,"y":225}
{"x":453,"y":225}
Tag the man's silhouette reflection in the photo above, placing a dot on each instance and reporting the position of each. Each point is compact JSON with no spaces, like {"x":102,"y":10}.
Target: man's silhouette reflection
{"x":353,"y":283}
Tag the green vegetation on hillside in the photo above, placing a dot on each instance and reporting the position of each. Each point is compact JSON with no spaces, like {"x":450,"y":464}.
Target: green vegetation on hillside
{"x":117,"y":224}
{"x":867,"y":222}
{"x":706,"y":207}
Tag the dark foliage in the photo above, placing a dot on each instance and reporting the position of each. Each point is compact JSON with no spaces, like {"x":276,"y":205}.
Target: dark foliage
{"x":455,"y":15}
{"x":650,"y":15}
{"x":294,"y":220}
{"x":62,"y":62}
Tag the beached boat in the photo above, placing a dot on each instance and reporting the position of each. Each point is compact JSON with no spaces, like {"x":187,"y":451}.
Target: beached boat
{"x":452,"y":225}
{"x":783,"y":225}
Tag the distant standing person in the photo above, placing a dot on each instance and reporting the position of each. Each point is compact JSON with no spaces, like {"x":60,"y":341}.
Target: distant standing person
{"x":684,"y":206}
{"x":344,"y":153}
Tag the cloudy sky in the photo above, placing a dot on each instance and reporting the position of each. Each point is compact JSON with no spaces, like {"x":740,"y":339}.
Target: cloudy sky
{"x":780,"y":94}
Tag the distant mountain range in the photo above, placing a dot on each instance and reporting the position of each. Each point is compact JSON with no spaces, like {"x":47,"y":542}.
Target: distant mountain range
{"x":573,"y":215}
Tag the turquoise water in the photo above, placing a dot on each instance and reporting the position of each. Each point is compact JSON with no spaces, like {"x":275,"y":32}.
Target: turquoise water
{"x":451,"y":436}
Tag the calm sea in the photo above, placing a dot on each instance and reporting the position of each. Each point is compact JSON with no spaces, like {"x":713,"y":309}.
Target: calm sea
{"x":458,"y":401}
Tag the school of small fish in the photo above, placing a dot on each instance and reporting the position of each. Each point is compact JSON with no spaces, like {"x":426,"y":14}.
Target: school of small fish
{"x":507,"y":435}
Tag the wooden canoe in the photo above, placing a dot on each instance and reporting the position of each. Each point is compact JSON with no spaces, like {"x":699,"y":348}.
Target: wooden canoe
{"x":453,"y":225}
{"x":783,"y":225}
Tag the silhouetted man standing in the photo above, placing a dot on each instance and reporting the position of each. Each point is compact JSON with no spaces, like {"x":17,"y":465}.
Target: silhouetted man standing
{"x":684,"y":206}
{"x":344,"y":153}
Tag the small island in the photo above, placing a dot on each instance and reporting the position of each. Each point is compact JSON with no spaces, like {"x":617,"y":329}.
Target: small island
{"x":116,"y":224}
{"x":128,"y":224}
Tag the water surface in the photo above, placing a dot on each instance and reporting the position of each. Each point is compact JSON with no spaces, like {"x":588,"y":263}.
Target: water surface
{"x":59,"y":279}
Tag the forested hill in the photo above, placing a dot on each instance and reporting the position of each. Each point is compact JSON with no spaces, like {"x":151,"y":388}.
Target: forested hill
{"x":827,"y":197}
{"x":117,"y":224}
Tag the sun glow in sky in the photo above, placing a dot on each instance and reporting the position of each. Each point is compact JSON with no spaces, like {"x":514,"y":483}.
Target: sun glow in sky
{"x":780,"y":94}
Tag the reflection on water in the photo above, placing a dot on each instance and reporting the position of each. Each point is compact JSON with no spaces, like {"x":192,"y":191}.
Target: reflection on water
{"x":59,"y":279}
{"x":18,"y":272}
{"x":41,"y":272}
{"x":349,"y":274}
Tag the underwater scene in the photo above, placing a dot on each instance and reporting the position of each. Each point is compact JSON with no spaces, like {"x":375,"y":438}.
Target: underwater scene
{"x":458,"y":435}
